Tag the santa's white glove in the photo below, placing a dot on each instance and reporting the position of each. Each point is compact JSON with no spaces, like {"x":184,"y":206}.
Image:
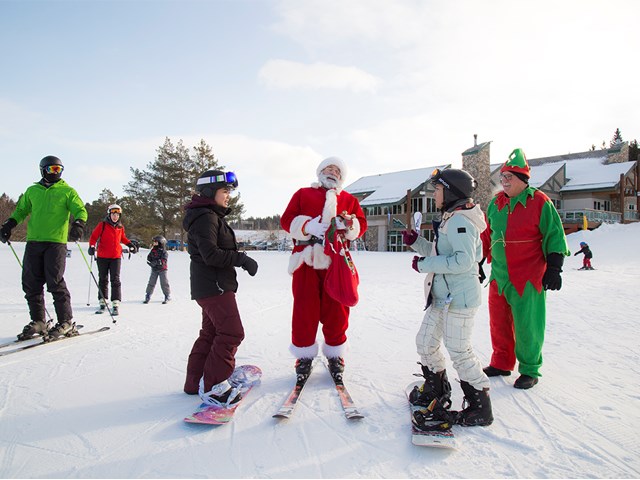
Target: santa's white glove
{"x":340,"y":225}
{"x":315,"y":227}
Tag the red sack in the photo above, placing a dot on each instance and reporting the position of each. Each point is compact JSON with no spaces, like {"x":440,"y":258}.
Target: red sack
{"x":342,"y":280}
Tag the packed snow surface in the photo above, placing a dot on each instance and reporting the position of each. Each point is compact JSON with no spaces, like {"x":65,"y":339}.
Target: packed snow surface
{"x":111,"y":405}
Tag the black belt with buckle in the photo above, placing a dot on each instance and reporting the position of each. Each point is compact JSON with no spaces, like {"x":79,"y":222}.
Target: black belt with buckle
{"x":311,"y":241}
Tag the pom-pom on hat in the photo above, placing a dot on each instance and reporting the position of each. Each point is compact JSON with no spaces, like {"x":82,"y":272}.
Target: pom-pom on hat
{"x":517,"y":164}
{"x":338,"y":162}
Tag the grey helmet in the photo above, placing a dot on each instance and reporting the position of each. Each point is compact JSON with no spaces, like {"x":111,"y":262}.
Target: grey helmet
{"x":161,"y":240}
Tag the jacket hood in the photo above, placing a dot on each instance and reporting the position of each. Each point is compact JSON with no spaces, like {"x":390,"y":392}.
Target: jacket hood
{"x":475,"y":216}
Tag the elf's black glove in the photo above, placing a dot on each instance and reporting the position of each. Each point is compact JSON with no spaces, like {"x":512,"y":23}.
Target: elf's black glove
{"x":481,"y":274}
{"x":77,"y":229}
{"x":5,"y":230}
{"x":247,"y":263}
{"x":551,"y":279}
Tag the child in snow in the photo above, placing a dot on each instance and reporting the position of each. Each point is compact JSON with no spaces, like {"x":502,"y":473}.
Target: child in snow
{"x":157,"y":260}
{"x":453,"y":295}
{"x":214,"y":257}
{"x":48,"y":204}
{"x":586,"y":261}
{"x":108,"y":235}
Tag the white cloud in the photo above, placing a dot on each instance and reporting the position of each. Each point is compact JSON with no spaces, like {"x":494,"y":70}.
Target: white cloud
{"x":287,"y":74}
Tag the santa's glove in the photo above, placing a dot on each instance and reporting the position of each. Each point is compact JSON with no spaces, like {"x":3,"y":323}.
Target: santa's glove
{"x":91,"y":251}
{"x":552,"y":279}
{"x":77,"y":229}
{"x":5,"y":230}
{"x":247,"y":263}
{"x":132,"y":248}
{"x":315,"y":227}
{"x":415,"y":262}
{"x":409,"y":237}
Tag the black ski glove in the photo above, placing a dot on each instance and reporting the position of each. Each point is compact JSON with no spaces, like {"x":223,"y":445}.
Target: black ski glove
{"x":551,"y":279}
{"x":77,"y":229}
{"x":132,"y":248}
{"x":481,"y":275}
{"x":5,"y":230}
{"x":247,"y":263}
{"x":91,"y":251}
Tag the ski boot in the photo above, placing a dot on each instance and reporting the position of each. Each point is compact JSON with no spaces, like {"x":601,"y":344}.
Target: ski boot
{"x":336,"y":368}
{"x":476,"y":407}
{"x":166,"y":300}
{"x":147,"y":298}
{"x":303,"y":369}
{"x":115,"y":306}
{"x":222,"y":394}
{"x":102,"y":307}
{"x":62,"y":329}
{"x":33,"y":329}
{"x":434,"y":395}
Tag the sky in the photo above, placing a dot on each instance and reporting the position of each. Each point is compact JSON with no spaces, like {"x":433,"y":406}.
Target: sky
{"x":276,"y":86}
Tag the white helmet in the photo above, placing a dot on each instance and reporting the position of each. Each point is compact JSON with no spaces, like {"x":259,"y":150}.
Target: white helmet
{"x":114,"y":208}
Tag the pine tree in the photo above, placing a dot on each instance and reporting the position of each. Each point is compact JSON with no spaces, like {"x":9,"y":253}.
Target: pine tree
{"x":617,"y":138}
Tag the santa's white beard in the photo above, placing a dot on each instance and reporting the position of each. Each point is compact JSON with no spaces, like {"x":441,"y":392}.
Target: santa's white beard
{"x":328,"y":181}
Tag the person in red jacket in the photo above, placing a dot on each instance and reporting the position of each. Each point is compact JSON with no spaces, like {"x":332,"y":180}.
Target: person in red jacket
{"x":307,"y":218}
{"x":108,"y":235}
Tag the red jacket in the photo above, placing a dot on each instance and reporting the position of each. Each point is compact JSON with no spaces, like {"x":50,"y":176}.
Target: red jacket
{"x":108,"y":237}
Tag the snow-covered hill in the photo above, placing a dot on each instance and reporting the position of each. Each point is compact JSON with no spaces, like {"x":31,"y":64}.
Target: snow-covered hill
{"x":112,"y":405}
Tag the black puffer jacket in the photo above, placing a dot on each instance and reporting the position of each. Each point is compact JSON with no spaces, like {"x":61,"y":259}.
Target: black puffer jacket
{"x":212,"y":247}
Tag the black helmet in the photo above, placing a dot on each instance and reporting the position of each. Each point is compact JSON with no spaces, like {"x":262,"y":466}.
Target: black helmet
{"x":212,"y":180}
{"x":51,"y":177}
{"x":458,"y":185}
{"x":161,"y":240}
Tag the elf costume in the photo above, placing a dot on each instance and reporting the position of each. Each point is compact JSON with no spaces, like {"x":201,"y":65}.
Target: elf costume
{"x":526,"y":244}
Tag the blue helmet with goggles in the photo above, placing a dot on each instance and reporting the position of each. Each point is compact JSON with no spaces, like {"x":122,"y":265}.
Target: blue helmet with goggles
{"x":212,"y":180}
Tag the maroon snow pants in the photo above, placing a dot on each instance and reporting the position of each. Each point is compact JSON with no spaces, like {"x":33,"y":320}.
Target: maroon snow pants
{"x":213,"y":353}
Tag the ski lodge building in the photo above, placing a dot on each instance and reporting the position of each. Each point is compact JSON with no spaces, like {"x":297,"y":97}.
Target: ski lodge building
{"x":587,"y":188}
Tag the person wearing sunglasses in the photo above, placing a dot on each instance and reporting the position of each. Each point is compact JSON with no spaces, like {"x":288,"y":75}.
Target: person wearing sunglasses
{"x":453,"y":296}
{"x":48,"y":205}
{"x":308,"y":216}
{"x":526,"y":245}
{"x":108,"y":235}
{"x":213,"y":249}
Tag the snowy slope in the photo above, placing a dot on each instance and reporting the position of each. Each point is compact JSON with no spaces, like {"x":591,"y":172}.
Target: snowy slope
{"x":112,"y":405}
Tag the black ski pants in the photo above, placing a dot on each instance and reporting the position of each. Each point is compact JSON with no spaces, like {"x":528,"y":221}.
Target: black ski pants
{"x":109,"y":267}
{"x":45,"y":262}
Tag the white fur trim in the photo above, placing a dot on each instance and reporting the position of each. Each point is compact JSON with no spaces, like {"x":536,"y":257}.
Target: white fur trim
{"x":330,"y":206}
{"x":295,"y":229}
{"x":335,"y":351}
{"x":353,"y":233}
{"x":304,"y":352}
{"x":338,"y":162}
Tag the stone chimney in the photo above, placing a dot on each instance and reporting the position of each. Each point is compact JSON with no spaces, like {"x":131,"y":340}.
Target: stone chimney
{"x":476,"y":161}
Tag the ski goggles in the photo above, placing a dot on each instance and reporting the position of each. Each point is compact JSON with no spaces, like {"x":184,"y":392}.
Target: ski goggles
{"x":54,"y":169}
{"x":436,"y":177}
{"x":228,"y":177}
{"x":116,"y":210}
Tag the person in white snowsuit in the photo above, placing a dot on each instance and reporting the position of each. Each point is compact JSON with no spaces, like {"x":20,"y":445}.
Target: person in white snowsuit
{"x":453,"y":295}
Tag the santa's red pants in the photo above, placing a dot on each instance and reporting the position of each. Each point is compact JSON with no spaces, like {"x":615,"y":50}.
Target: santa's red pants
{"x":311,"y":306}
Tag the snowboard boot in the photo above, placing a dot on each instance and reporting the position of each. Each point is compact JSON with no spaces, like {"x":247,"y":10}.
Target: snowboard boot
{"x":303,"y":369}
{"x":495,"y":372}
{"x":436,"y":386}
{"x":166,"y":300}
{"x":222,"y":394}
{"x":336,"y":368}
{"x":63,"y":329}
{"x":115,"y":307}
{"x":33,"y":329}
{"x":476,"y":409}
{"x":147,"y":299}
{"x":524,"y":382}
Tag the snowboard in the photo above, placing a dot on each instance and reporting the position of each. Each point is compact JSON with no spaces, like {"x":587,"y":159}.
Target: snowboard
{"x":437,"y":435}
{"x":245,"y":377}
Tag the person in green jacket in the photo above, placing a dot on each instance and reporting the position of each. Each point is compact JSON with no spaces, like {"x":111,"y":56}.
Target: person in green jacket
{"x":48,"y":204}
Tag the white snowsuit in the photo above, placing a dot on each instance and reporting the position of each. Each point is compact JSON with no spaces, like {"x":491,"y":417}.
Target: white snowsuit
{"x":452,"y":281}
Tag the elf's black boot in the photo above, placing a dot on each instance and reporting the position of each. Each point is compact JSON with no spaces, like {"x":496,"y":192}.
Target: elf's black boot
{"x":436,"y":386}
{"x":478,"y":407}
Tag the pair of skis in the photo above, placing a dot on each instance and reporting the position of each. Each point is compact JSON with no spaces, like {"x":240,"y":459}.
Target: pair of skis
{"x":348,"y":405}
{"x":25,"y":345}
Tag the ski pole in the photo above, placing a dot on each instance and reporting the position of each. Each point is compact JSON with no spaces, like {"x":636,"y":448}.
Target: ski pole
{"x":20,"y":263}
{"x":89,"y":289}
{"x":96,"y":282}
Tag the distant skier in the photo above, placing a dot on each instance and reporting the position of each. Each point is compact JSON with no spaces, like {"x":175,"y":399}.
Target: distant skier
{"x":453,"y":295}
{"x":108,"y":235}
{"x":307,"y":218}
{"x":214,"y":256}
{"x":158,"y":261}
{"x":586,"y":261}
{"x":48,"y":204}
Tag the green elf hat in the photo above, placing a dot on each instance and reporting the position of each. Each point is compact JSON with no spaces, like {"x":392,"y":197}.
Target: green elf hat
{"x":517,"y":164}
